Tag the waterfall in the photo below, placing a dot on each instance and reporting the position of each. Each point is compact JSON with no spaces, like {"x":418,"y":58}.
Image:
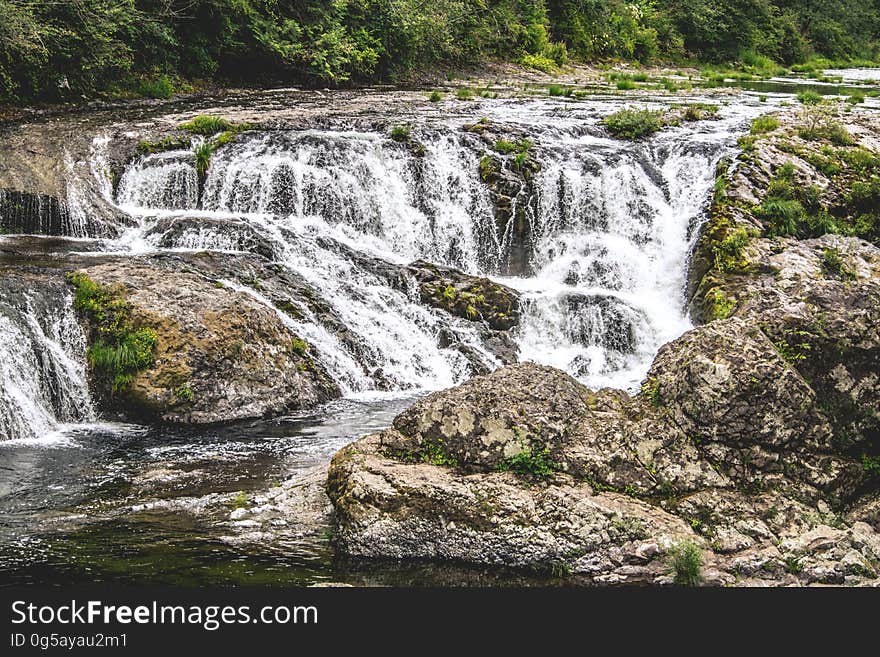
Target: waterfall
{"x":43,"y":379}
{"x":610,"y":229}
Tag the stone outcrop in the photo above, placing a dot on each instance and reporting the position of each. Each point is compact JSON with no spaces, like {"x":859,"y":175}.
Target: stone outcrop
{"x":221,"y":355}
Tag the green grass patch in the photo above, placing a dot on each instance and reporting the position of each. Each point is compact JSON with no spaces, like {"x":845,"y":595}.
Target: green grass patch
{"x":633,"y":123}
{"x":400,"y":133}
{"x":763,"y":125}
{"x":686,"y":564}
{"x":205,"y":125}
{"x":119,"y":350}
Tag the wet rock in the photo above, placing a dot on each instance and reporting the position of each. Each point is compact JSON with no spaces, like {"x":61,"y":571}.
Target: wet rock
{"x":221,"y":355}
{"x":469,"y":297}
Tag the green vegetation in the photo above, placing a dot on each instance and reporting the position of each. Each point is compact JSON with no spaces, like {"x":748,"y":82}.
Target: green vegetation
{"x":729,"y":251}
{"x":687,"y":564}
{"x":240,"y":500}
{"x":793,"y":345}
{"x":463,"y":93}
{"x":651,"y":389}
{"x":819,"y":123}
{"x":206,"y":126}
{"x":184,"y":393}
{"x":718,"y":304}
{"x":203,"y":153}
{"x":764,"y":124}
{"x":162,"y":145}
{"x":435,"y":96}
{"x":400,"y":133}
{"x":809,"y":97}
{"x":66,"y":48}
{"x":299,"y":346}
{"x":119,"y":349}
{"x":436,"y":454}
{"x":832,"y":262}
{"x":871,"y":464}
{"x":626,"y":84}
{"x":535,"y":461}
{"x":633,"y":123}
{"x":558,"y":90}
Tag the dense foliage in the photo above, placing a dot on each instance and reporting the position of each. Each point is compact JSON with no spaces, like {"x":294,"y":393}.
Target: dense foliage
{"x":59,"y":48}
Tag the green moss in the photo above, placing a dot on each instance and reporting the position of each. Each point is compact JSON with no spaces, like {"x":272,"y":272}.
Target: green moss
{"x":168,"y":143}
{"x":718,"y":304}
{"x":119,"y":349}
{"x":184,"y":393}
{"x":488,"y":167}
{"x":687,"y":564}
{"x":651,"y":390}
{"x":729,"y":251}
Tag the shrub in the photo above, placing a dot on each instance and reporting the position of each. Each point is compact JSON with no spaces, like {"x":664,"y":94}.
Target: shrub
{"x":699,"y":111}
{"x":184,"y":393}
{"x":764,"y":124}
{"x":463,"y":93}
{"x":625,"y":84}
{"x":633,"y":123}
{"x":687,"y":564}
{"x":400,"y":133}
{"x":435,"y":96}
{"x":157,"y":87}
{"x":206,"y":125}
{"x":539,"y":63}
{"x":558,"y":90}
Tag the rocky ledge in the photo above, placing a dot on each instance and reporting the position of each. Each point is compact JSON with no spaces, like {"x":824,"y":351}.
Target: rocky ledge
{"x":751,"y":455}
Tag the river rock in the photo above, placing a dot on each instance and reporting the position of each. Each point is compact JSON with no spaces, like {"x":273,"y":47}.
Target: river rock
{"x":233,"y":354}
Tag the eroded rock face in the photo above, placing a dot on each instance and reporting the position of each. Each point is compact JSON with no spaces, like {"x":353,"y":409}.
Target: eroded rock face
{"x":220,"y":356}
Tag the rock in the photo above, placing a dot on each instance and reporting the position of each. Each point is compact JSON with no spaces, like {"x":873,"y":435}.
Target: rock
{"x":386,"y":508}
{"x":725,"y":382}
{"x":221,"y":354}
{"x":469,"y":297}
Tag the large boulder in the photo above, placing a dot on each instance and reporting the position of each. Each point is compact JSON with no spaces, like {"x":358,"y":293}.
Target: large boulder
{"x":220,"y":355}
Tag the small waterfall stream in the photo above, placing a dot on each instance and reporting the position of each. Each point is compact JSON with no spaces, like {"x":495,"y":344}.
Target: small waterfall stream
{"x":42,"y":361}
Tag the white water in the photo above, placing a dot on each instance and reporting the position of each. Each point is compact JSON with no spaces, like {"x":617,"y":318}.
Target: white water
{"x":42,"y":364}
{"x":612,"y":227}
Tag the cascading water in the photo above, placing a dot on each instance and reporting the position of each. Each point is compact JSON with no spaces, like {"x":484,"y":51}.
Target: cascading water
{"x":611,"y":225}
{"x":42,"y":361}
